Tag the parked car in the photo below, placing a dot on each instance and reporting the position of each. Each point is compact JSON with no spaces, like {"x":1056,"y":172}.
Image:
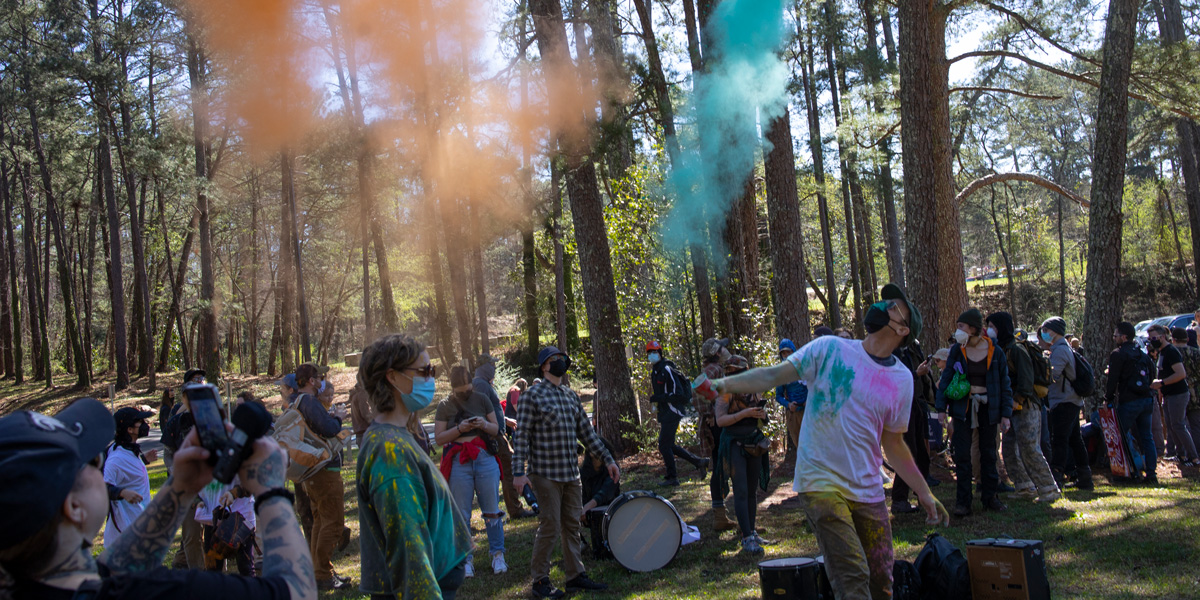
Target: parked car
{"x":1143,"y":337}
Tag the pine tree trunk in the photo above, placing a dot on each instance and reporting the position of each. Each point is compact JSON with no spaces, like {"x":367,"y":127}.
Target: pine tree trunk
{"x":478,"y":277}
{"x":10,"y":251}
{"x":6,"y":298}
{"x":561,"y":269}
{"x":1102,"y":304}
{"x":142,"y":305}
{"x":449,"y":215}
{"x":39,"y":343}
{"x":445,"y":337}
{"x":287,"y":275}
{"x":209,"y":349}
{"x":614,"y":398}
{"x":289,"y":188}
{"x":786,"y":229}
{"x":933,"y":246}
{"x":873,"y":73}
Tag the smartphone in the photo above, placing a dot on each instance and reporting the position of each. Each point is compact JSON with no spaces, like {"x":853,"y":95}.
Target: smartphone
{"x":929,"y":358}
{"x":205,"y":403}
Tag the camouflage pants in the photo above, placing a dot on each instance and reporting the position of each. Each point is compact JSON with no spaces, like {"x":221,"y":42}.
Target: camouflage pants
{"x":1026,"y":464}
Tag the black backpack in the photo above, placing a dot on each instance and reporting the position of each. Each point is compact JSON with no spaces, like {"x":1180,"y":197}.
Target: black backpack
{"x":943,"y":570}
{"x":1139,"y":374}
{"x":1084,"y":383}
{"x":681,"y":396}
{"x":906,"y":581}
{"x":1041,"y":367}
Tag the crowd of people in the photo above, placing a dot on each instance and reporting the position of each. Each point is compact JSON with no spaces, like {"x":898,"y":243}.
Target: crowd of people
{"x":1010,"y":414}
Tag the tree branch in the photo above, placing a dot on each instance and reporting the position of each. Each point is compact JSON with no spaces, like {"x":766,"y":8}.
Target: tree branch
{"x":1023,"y":22}
{"x":995,"y":178}
{"x":1069,"y":75}
{"x":1004,"y":91}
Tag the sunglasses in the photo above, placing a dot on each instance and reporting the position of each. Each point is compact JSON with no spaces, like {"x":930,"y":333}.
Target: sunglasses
{"x":426,"y":371}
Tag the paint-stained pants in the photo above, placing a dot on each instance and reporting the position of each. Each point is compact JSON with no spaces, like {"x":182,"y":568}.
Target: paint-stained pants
{"x":326,"y":494}
{"x":1026,"y":463}
{"x":561,"y":504}
{"x":856,"y":539}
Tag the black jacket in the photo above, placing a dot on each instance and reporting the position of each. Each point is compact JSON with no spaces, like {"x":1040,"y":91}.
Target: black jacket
{"x":1121,"y":366}
{"x":664,"y":385}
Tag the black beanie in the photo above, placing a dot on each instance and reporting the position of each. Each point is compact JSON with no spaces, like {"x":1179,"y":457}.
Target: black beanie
{"x":972,"y":317}
{"x":1055,"y":324}
{"x":1004,"y":326}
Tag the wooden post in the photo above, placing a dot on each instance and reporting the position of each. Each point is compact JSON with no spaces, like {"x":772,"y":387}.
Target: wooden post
{"x":112,"y":392}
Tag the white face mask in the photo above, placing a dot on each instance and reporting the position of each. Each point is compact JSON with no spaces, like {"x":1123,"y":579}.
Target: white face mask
{"x":961,"y":337}
{"x":992,"y":332}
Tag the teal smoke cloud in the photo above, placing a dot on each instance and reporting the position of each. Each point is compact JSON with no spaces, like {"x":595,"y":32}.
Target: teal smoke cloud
{"x":745,"y":81}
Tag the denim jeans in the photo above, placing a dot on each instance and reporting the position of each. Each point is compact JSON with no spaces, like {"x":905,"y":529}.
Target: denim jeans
{"x":480,"y":477}
{"x":1137,"y":415}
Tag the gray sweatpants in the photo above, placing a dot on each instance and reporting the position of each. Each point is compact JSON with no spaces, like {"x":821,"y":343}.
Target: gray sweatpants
{"x":1177,"y":420}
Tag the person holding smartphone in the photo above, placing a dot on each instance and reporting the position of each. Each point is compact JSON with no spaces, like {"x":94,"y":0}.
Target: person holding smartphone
{"x":465,"y":425}
{"x":742,"y":452}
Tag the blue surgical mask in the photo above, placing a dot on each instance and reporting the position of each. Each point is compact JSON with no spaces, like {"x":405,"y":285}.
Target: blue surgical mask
{"x":1046,"y":337}
{"x":421,"y":396}
{"x":653,"y":357}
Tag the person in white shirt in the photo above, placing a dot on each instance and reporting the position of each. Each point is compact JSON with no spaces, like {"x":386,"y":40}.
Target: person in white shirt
{"x":125,"y":469}
{"x":859,"y":399}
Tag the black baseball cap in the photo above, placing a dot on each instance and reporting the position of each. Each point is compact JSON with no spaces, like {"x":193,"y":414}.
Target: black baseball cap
{"x":40,"y":457}
{"x":128,"y":416}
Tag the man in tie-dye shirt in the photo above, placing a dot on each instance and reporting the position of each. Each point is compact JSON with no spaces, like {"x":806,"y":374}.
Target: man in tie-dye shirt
{"x":859,"y":398}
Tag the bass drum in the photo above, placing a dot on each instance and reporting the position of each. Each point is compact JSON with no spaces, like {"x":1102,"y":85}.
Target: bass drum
{"x":643,"y":531}
{"x":789,"y":578}
{"x":824,"y":588}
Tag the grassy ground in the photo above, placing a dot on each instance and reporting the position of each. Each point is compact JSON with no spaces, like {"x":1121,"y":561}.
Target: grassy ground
{"x":1118,"y":542}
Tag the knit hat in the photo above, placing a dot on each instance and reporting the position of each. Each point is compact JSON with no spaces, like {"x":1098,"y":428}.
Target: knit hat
{"x":972,"y":317}
{"x":1055,"y":324}
{"x":786,"y":344}
{"x":822,"y":330}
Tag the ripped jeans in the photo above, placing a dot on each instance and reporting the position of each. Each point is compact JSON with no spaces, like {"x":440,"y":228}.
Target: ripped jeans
{"x":480,"y":477}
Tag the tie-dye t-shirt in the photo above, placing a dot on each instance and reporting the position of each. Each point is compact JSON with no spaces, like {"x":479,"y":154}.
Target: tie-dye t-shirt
{"x":852,"y":399}
{"x":412,"y":534}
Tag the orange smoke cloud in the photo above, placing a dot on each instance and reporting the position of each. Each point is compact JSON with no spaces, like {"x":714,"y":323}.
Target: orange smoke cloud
{"x":420,"y":66}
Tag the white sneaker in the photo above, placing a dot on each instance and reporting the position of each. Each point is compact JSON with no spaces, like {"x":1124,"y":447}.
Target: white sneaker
{"x":498,"y":564}
{"x":470,"y":569}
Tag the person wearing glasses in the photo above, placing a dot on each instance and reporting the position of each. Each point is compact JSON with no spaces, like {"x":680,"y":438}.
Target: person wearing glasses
{"x":414,"y":539}
{"x":859,"y":398}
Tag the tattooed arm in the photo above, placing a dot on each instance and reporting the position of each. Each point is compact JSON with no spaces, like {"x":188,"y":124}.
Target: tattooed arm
{"x":285,"y":553}
{"x":144,"y":544}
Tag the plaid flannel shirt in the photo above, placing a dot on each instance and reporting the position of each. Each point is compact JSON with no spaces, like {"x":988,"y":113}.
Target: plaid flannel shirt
{"x":550,"y":421}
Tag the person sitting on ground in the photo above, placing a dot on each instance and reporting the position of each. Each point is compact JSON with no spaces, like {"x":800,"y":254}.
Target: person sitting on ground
{"x":465,"y":426}
{"x":742,"y":454}
{"x":858,"y":404}
{"x":987,"y":407}
{"x":414,"y":538}
{"x":125,"y":470}
{"x":1022,"y":445}
{"x":599,"y":489}
{"x":54,"y":499}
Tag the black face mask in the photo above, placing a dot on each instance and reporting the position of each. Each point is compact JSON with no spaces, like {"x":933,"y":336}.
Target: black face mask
{"x":558,"y":367}
{"x":144,"y":429}
{"x":1157,"y":343}
{"x":877,"y":318}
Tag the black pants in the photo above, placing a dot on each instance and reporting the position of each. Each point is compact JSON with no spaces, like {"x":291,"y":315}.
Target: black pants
{"x":668,"y":427}
{"x":1064,"y":438}
{"x":917,"y":440}
{"x":745,"y":472}
{"x":987,"y":459}
{"x":717,"y":499}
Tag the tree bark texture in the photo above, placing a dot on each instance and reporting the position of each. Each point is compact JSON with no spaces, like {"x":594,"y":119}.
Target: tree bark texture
{"x":787,"y":235}
{"x":833,"y":305}
{"x":1102,"y":304}
{"x":936,"y":286}
{"x":209,"y":349}
{"x":614,"y":397}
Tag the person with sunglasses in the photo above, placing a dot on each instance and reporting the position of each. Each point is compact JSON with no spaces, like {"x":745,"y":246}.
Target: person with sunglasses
{"x":54,"y":502}
{"x":859,"y":398}
{"x":414,"y":539}
{"x":986,"y":407}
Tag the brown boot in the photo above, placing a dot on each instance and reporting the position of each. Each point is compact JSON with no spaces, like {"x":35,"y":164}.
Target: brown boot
{"x":721,"y":521}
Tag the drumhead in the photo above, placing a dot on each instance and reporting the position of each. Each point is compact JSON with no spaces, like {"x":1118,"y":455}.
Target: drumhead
{"x":786,"y":563}
{"x":643,"y":531}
